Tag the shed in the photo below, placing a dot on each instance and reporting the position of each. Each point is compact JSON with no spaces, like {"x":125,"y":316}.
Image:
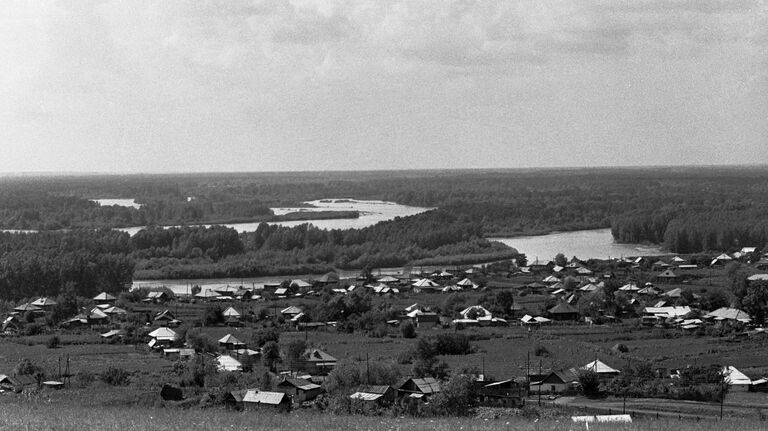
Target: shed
{"x":266,"y":399}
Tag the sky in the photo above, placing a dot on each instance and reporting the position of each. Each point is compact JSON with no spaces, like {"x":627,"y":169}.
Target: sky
{"x":272,"y":85}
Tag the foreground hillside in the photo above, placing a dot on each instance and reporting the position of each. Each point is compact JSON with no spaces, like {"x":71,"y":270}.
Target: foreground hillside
{"x":42,"y":415}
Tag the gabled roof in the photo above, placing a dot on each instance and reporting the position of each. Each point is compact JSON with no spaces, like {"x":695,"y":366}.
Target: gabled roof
{"x":668,"y":273}
{"x":374,"y":389}
{"x":726,"y":313}
{"x":735,"y":377}
{"x":231,"y":312}
{"x":426,"y":385}
{"x":207,"y":293}
{"x":479,"y":309}
{"x":388,"y":279}
{"x":424,"y":282}
{"x":104,"y":296}
{"x":230,"y":339}
{"x":291,"y":310}
{"x":156,"y":294}
{"x":330,"y":277}
{"x":674,"y":293}
{"x":465,"y":282}
{"x":44,"y":302}
{"x":302,"y":384}
{"x":264,"y":397}
{"x":115,"y":310}
{"x":317,"y":355}
{"x":365,"y":396}
{"x":563,"y":308}
{"x":600,"y":367}
{"x":228,"y":363}
{"x":300,"y":283}
{"x":629,"y":287}
{"x":27,"y":307}
{"x":164,"y":334}
{"x":97,"y":314}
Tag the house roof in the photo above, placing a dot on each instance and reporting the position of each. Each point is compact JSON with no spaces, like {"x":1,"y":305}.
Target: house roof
{"x":563,"y":308}
{"x":231,"y":312}
{"x":104,"y":296}
{"x":264,"y":397}
{"x":230,"y":339}
{"x":388,"y":279}
{"x":374,"y":389}
{"x":164,"y":334}
{"x":479,"y":309}
{"x":44,"y":302}
{"x":735,"y":377}
{"x":465,"y":282}
{"x":27,"y":307}
{"x":600,"y":367}
{"x":424,"y":282}
{"x":300,"y":283}
{"x":426,"y":385}
{"x":330,"y":277}
{"x":365,"y":396}
{"x":207,"y":293}
{"x":302,"y":384}
{"x":317,"y":355}
{"x":668,"y":273}
{"x":228,"y":363}
{"x":157,"y":294}
{"x":115,"y":310}
{"x":726,"y":313}
{"x":291,"y":310}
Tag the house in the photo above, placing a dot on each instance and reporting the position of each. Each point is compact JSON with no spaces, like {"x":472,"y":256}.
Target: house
{"x":23,"y":308}
{"x":230,"y":342}
{"x":96,"y":316}
{"x":231,"y":313}
{"x":674,"y":293}
{"x":736,"y":380}
{"x":11,"y":325}
{"x":314,"y":361}
{"x":602,"y":369}
{"x":467,"y":283}
{"x":291,"y":311}
{"x":164,"y":317}
{"x":177,"y":353}
{"x":207,"y":294}
{"x":300,"y":390}
{"x":114,"y":311}
{"x":104,"y":298}
{"x":563,"y":311}
{"x":163,"y":337}
{"x":721,"y":260}
{"x":424,"y":285}
{"x":541,"y":265}
{"x":228,"y":363}
{"x":44,"y":303}
{"x":16,"y":382}
{"x":269,"y":400}
{"x":328,"y":278}
{"x":418,"y":387}
{"x":506,"y":393}
{"x":474,"y":311}
{"x":425,"y":318}
{"x":157,"y":297}
{"x":378,"y":394}
{"x":556,"y":382}
{"x":667,"y":275}
{"x":299,"y":284}
{"x":726,"y":313}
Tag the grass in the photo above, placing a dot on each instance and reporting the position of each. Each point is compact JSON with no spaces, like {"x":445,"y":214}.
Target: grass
{"x":43,"y":415}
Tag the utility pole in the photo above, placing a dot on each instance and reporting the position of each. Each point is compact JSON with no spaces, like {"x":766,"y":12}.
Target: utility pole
{"x":483,"y":367}
{"x":722,"y":397}
{"x":539,"y":382}
{"x":367,"y":370}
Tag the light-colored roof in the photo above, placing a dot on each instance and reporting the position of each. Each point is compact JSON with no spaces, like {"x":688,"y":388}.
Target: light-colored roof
{"x":668,"y":311}
{"x":231,"y":312}
{"x":629,"y":287}
{"x":230,"y":339}
{"x":164,"y":334}
{"x":424,"y":282}
{"x":758,"y":277}
{"x":228,"y":363}
{"x":291,"y":310}
{"x":300,"y":283}
{"x":264,"y":397}
{"x":115,"y":310}
{"x":388,"y":279}
{"x":735,"y":377}
{"x":207,"y":293}
{"x":726,"y":313}
{"x":104,"y":296}
{"x":44,"y":302}
{"x":478,"y":309}
{"x":317,"y":355}
{"x":365,"y":396}
{"x":113,"y":333}
{"x":600,"y":367}
{"x":27,"y":307}
{"x":96,"y":313}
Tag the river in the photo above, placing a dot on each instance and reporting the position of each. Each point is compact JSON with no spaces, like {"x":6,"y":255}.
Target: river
{"x":584,"y":244}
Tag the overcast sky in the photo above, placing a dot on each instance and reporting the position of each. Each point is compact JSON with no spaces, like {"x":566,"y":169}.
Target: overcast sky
{"x":148,"y":86}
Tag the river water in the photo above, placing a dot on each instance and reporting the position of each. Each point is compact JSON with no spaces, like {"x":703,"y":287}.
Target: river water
{"x":584,"y":244}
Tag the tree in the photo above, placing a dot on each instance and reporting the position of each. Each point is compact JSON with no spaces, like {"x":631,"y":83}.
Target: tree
{"x":295,"y":350}
{"x":270,"y":354}
{"x":590,"y":383}
{"x":457,"y":397}
{"x":408,"y":329}
{"x":560,"y":259}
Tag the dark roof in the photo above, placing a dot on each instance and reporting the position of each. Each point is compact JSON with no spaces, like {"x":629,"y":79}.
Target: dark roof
{"x":563,"y":308}
{"x":426,"y":385}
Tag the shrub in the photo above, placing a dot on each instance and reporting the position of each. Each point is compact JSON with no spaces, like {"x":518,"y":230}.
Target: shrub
{"x":590,"y":383}
{"x":115,"y":376}
{"x":408,"y":329}
{"x":25,"y":367}
{"x":380,"y":331}
{"x":263,"y":335}
{"x":53,"y":342}
{"x":84,"y":379}
{"x":540,"y":350}
{"x":456,"y":398}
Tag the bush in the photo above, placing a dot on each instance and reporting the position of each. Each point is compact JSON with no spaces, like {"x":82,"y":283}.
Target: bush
{"x":263,"y":335}
{"x":115,"y":376}
{"x":540,"y":350}
{"x":456,"y":398}
{"x":590,"y":383}
{"x":84,"y":378}
{"x":53,"y":342}
{"x":25,"y":367}
{"x":380,"y":331}
{"x":408,"y":329}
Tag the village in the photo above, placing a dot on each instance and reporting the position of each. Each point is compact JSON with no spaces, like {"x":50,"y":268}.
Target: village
{"x":508,"y":318}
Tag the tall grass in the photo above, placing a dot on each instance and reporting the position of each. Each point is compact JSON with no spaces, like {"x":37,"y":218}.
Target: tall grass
{"x":38,"y":415}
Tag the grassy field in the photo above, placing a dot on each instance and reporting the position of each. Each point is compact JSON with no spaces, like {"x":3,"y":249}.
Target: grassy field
{"x":43,"y":415}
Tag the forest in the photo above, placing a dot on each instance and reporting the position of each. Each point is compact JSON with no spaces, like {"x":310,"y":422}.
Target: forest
{"x":90,"y":261}
{"x":686,"y":210}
